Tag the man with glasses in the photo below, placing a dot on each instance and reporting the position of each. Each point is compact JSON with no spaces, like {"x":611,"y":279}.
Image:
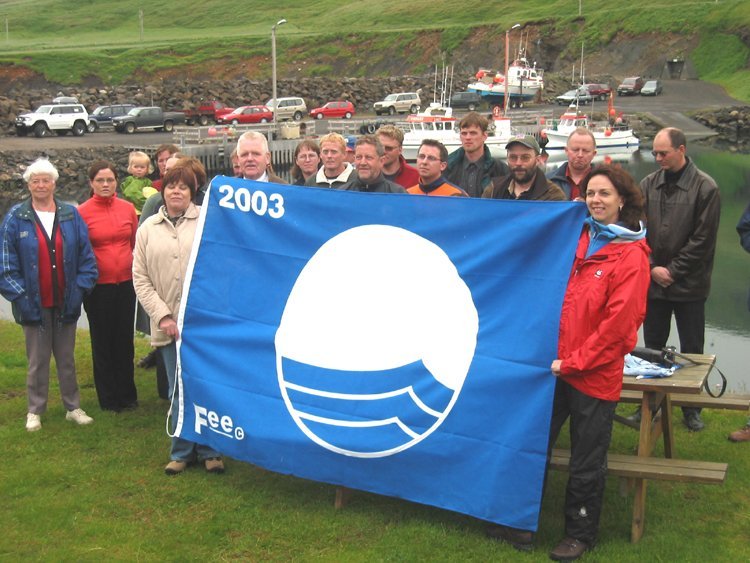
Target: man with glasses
{"x":682,"y":214}
{"x":472,"y":166}
{"x":432,"y":160}
{"x":580,"y":150}
{"x":526,"y":180}
{"x":395,"y":167}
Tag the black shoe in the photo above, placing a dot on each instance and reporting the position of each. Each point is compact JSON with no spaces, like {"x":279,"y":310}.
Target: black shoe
{"x":569,"y":549}
{"x":522,"y":540}
{"x":692,"y":420}
{"x":635,"y":417}
{"x":148,"y":361}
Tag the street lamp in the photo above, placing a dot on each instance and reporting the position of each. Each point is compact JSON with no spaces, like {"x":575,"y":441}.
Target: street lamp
{"x":506,"y":78}
{"x":273,"y":67}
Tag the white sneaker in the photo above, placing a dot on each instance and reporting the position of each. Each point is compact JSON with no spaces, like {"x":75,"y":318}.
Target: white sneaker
{"x":79,"y":417}
{"x":33,"y":422}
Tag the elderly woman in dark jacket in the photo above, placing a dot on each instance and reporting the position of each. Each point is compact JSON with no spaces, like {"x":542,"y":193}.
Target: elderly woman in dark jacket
{"x":47,"y":267}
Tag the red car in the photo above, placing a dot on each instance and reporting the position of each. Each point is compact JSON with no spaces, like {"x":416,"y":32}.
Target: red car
{"x":334,"y":109}
{"x":247,"y":114}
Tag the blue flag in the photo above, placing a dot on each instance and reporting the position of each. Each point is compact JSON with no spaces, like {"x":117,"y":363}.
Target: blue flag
{"x":392,"y":343}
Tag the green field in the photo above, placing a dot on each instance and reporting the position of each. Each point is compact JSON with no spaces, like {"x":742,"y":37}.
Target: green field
{"x":69,"y":41}
{"x":98,"y":493}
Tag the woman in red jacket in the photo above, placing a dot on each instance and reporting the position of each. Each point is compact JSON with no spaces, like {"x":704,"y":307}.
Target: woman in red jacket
{"x":110,"y":307}
{"x":604,"y":305}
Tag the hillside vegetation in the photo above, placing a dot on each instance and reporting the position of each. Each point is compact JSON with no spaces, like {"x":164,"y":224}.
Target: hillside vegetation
{"x":100,"y":40}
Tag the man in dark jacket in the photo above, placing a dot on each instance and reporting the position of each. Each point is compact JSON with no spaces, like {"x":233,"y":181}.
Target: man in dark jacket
{"x":368,"y":157}
{"x":472,"y":167}
{"x":743,"y":229}
{"x":580,"y":150}
{"x":526,"y":180}
{"x":682,"y":213}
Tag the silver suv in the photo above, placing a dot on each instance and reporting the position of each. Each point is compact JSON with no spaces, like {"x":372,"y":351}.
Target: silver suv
{"x":398,"y":103}
{"x":60,"y":118}
{"x":288,"y":108}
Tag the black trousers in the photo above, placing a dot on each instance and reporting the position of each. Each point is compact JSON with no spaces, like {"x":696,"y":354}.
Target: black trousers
{"x":591,"y":422}
{"x":111,"y":312}
{"x":690,"y":317}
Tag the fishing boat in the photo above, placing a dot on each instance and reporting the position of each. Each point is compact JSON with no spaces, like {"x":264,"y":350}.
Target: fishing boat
{"x":437,"y":122}
{"x":614,"y":133}
{"x":524,"y":82}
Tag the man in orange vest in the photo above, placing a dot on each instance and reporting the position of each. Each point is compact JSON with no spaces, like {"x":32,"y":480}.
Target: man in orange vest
{"x":432,"y":160}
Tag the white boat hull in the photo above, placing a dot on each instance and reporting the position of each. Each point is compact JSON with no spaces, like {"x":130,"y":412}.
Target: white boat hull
{"x":411,"y":146}
{"x":556,"y":140}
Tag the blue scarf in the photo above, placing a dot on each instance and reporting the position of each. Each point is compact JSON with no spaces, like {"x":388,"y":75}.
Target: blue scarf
{"x":600,"y":234}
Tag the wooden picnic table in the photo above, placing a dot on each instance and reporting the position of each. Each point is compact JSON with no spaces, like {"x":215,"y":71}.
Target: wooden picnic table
{"x":657,"y":396}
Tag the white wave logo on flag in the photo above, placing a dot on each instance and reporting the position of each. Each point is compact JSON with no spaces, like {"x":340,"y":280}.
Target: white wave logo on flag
{"x":375,"y":341}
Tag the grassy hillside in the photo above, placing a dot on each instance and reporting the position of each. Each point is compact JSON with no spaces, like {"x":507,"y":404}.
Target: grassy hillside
{"x":68,"y":41}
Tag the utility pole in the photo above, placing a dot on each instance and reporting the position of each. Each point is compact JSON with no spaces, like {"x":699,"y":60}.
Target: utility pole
{"x":140,"y":22}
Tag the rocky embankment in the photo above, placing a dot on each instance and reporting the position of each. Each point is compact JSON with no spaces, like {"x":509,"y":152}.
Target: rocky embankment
{"x":732,"y":125}
{"x":72,"y":164}
{"x":362,"y":92}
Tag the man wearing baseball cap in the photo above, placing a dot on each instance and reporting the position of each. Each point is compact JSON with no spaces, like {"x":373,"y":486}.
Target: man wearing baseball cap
{"x":526,"y":180}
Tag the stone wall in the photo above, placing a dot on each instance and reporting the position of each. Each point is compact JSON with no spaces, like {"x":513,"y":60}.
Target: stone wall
{"x":72,"y":164}
{"x":732,"y":124}
{"x":362,"y":92}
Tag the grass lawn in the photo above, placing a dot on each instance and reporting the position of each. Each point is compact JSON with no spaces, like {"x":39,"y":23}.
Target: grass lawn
{"x":98,"y":493}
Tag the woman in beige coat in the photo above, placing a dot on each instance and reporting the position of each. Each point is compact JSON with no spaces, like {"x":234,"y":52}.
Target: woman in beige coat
{"x":162,"y":250}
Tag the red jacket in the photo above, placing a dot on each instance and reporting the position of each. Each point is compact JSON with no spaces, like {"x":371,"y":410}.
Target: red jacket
{"x":112,"y":223}
{"x":604,"y":305}
{"x":407,"y":175}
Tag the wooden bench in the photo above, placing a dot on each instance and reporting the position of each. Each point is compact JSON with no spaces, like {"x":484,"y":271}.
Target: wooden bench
{"x":663,"y":469}
{"x":700,"y":400}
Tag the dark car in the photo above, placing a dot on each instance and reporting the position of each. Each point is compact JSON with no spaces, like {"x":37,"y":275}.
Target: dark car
{"x":598,"y":91}
{"x":103,"y":115}
{"x":468,"y":100}
{"x":651,"y":88}
{"x":630,"y":86}
{"x":580,"y":95}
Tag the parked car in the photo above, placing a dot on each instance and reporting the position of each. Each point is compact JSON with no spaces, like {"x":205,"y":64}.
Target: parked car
{"x":580,"y":95}
{"x":598,"y":91}
{"x":288,"y":108}
{"x":148,"y":118}
{"x":468,"y":100}
{"x":333,"y":109}
{"x":247,"y":114}
{"x":651,"y":88}
{"x":401,"y":102}
{"x":630,"y":86}
{"x":60,"y":118}
{"x":102,"y":116}
{"x":205,"y":112}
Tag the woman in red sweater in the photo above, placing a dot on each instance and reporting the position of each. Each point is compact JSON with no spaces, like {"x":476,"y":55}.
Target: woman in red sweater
{"x":110,"y":307}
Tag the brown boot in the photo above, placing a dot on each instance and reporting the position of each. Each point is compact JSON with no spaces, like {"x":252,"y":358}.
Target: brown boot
{"x":741,"y":435}
{"x":568,"y":549}
{"x":175,"y":467}
{"x":214,"y":465}
{"x":522,"y":540}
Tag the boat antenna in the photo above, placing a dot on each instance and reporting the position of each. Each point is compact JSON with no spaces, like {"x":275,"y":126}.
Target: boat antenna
{"x":450,"y":90}
{"x":434,"y":88}
{"x":582,"y":76}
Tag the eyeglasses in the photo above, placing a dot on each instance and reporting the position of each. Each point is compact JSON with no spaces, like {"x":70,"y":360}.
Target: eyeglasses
{"x":307,"y":156}
{"x":520,"y":157}
{"x":662,"y":154}
{"x":428,"y":158}
{"x":42,"y":180}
